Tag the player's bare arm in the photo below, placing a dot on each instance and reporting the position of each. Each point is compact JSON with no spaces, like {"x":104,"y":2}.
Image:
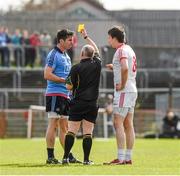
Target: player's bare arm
{"x":89,"y":40}
{"x":48,"y":75}
{"x":124,"y":74}
{"x":69,"y":86}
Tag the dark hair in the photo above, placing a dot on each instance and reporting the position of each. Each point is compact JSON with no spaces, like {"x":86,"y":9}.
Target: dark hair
{"x":64,"y":34}
{"x":117,"y":32}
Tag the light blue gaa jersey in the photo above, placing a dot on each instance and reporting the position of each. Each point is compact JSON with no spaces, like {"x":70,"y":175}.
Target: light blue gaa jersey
{"x":61,"y":64}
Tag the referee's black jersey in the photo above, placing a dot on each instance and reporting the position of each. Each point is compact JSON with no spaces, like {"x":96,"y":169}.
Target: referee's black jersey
{"x":85,"y":78}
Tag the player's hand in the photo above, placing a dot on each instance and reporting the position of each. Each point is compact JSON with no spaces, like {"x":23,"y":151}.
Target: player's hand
{"x":62,"y":80}
{"x":69,"y":87}
{"x":84,"y":33}
{"x":109,"y":66}
{"x":119,"y":87}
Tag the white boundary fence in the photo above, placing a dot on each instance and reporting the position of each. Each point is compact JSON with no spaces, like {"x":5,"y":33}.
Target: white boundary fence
{"x":30,"y":117}
{"x":32,"y":108}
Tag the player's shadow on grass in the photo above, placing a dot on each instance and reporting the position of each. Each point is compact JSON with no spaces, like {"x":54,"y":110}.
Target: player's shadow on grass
{"x":22,"y":165}
{"x":45,"y":165}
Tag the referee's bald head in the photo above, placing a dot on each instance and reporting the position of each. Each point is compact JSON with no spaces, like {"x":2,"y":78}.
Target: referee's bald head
{"x":87,"y":51}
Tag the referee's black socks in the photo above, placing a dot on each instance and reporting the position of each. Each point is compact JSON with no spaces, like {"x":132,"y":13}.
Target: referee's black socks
{"x":69,"y":141}
{"x":87,"y":144}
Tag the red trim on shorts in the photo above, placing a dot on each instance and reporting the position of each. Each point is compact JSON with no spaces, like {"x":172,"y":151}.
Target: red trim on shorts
{"x":121,"y":100}
{"x":57,"y":94}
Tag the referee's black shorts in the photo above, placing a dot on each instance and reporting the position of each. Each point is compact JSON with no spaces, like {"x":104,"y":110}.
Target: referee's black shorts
{"x":80,"y":110}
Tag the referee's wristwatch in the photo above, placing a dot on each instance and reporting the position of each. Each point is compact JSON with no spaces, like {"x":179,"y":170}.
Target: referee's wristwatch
{"x":86,"y":37}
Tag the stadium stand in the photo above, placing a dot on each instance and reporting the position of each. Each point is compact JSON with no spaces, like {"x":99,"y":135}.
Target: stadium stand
{"x":25,"y":86}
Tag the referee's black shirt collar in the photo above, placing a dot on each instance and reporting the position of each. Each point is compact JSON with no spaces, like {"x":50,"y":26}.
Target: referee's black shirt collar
{"x":86,"y":59}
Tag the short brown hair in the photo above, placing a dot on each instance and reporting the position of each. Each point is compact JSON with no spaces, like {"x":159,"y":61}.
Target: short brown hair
{"x":118,"y":32}
{"x":64,"y":34}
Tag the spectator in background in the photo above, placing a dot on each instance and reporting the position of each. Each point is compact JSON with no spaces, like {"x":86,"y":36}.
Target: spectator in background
{"x":46,"y":43}
{"x":35,"y":42}
{"x":25,"y":41}
{"x":109,"y":111}
{"x":8,"y":42}
{"x":109,"y":105}
{"x":16,"y":41}
{"x":54,"y":41}
{"x":4,"y":50}
{"x":170,"y":128}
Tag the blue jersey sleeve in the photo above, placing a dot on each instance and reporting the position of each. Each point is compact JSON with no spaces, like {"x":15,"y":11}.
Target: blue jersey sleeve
{"x":51,"y":60}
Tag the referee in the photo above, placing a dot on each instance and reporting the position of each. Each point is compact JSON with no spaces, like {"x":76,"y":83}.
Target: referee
{"x":83,"y":80}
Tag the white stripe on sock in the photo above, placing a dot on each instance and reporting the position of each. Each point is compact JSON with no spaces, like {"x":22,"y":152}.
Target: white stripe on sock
{"x":121,"y":154}
{"x":128,"y":155}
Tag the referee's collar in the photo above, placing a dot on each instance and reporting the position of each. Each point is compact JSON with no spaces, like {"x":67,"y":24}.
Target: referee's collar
{"x":56,"y":48}
{"x":86,"y":59}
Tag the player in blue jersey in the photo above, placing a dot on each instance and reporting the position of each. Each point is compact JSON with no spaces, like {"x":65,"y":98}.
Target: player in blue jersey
{"x":57,"y":96}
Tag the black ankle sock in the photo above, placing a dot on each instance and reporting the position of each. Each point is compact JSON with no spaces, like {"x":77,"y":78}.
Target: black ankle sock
{"x":70,"y":156}
{"x":87,"y":144}
{"x":69,"y":141}
{"x":50,"y":152}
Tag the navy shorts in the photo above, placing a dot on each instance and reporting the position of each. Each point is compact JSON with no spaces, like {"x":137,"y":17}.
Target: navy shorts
{"x":57,"y":104}
{"x":80,"y":110}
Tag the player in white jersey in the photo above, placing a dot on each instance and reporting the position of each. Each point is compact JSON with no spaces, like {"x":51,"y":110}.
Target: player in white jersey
{"x":124,"y":68}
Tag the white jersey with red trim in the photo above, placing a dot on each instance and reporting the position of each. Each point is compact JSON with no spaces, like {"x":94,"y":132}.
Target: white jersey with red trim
{"x":125,"y":52}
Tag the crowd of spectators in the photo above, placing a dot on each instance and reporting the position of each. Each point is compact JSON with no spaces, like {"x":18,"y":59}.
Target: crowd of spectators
{"x":23,"y":47}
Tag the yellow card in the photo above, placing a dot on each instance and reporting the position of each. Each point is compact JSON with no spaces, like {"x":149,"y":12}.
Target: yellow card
{"x":80,"y":27}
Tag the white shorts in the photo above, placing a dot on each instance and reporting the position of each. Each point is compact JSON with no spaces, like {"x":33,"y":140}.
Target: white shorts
{"x":124,"y":103}
{"x":123,"y":111}
{"x":54,"y":115}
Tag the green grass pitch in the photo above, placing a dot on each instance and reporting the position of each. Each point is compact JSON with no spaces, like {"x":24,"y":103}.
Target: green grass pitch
{"x":151,"y":157}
